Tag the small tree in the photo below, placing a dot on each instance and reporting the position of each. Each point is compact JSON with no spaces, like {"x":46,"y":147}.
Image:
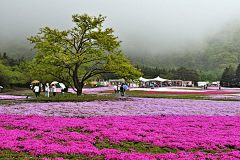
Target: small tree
{"x":76,"y":55}
{"x":237,"y":78}
{"x":228,"y":77}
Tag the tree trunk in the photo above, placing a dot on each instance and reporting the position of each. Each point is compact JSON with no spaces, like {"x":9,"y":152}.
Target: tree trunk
{"x":79,"y":90}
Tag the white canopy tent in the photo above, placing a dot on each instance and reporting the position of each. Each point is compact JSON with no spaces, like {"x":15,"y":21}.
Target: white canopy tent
{"x":148,"y":82}
{"x":159,"y":79}
{"x":154,"y":79}
{"x":143,"y":79}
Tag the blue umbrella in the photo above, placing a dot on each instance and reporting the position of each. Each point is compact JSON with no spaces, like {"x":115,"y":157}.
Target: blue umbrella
{"x":125,"y":86}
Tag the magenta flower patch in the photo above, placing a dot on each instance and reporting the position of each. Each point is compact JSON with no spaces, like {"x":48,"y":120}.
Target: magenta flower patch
{"x":47,"y":135}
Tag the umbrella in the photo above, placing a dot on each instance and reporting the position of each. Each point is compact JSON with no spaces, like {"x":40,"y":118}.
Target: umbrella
{"x":62,"y":85}
{"x":1,"y":87}
{"x":35,"y":81}
{"x":54,"y":82}
{"x":125,"y":86}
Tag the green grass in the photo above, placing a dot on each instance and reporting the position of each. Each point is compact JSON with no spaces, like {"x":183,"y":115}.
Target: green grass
{"x":73,"y":98}
{"x":68,"y":97}
{"x":8,"y":154}
{"x":127,"y":146}
{"x":175,"y":96}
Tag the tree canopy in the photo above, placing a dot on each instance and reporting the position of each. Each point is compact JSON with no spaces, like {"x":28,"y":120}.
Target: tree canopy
{"x":228,"y":77}
{"x":85,"y":51}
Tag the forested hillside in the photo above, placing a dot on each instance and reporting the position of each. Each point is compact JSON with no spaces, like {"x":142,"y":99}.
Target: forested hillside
{"x":18,"y":49}
{"x":220,"y":51}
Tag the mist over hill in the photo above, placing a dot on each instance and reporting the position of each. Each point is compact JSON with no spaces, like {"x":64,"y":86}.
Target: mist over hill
{"x":217,"y":52}
{"x":211,"y":56}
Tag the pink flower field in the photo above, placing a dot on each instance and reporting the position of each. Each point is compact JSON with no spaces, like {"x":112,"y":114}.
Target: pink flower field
{"x":129,"y":128}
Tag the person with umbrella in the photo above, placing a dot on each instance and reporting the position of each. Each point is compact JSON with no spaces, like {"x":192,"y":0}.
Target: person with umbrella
{"x":125,"y":86}
{"x":62,"y":86}
{"x":54,"y":89}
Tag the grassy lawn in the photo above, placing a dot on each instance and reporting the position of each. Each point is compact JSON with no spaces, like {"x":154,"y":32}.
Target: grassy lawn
{"x":68,"y":97}
{"x":72,"y":97}
{"x":175,"y":96}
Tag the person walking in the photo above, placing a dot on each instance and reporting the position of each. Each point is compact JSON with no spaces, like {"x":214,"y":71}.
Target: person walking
{"x":118,"y":89}
{"x":54,"y":89}
{"x":47,"y":89}
{"x":115,"y":88}
{"x":122,"y":90}
{"x":62,"y":90}
{"x":40,"y":89}
{"x":36,"y":90}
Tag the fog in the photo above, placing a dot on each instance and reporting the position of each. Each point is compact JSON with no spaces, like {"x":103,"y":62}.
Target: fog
{"x":154,"y":26}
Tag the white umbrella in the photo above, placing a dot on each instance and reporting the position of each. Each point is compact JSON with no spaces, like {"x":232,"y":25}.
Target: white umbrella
{"x":62,"y":85}
{"x":1,"y":87}
{"x":54,"y":82}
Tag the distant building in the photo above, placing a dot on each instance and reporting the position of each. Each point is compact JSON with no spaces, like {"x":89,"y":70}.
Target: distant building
{"x":116,"y":81}
{"x":187,"y":84}
{"x":176,"y":82}
{"x":217,"y":83}
{"x":202,"y":84}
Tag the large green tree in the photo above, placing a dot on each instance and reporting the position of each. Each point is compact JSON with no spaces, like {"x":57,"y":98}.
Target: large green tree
{"x":186,"y":74}
{"x":85,"y":51}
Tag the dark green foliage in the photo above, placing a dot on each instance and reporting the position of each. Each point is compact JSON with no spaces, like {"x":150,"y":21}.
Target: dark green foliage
{"x":9,"y":61}
{"x":12,"y":72}
{"x":186,"y":74}
{"x":237,"y":77}
{"x":152,"y":72}
{"x":228,"y":77}
{"x":181,"y":73}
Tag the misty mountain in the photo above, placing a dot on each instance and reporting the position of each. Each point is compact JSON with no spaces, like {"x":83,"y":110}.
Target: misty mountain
{"x":220,"y":51}
{"x":18,"y":49}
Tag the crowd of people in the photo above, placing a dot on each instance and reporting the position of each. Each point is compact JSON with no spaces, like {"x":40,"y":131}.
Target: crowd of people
{"x":39,"y":87}
{"x":120,"y":88}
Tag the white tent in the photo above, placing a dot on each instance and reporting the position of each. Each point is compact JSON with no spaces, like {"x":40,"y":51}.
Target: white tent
{"x":143,"y":79}
{"x":159,"y":79}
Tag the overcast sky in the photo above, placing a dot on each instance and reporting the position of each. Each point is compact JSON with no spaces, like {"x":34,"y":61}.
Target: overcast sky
{"x":142,"y":25}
